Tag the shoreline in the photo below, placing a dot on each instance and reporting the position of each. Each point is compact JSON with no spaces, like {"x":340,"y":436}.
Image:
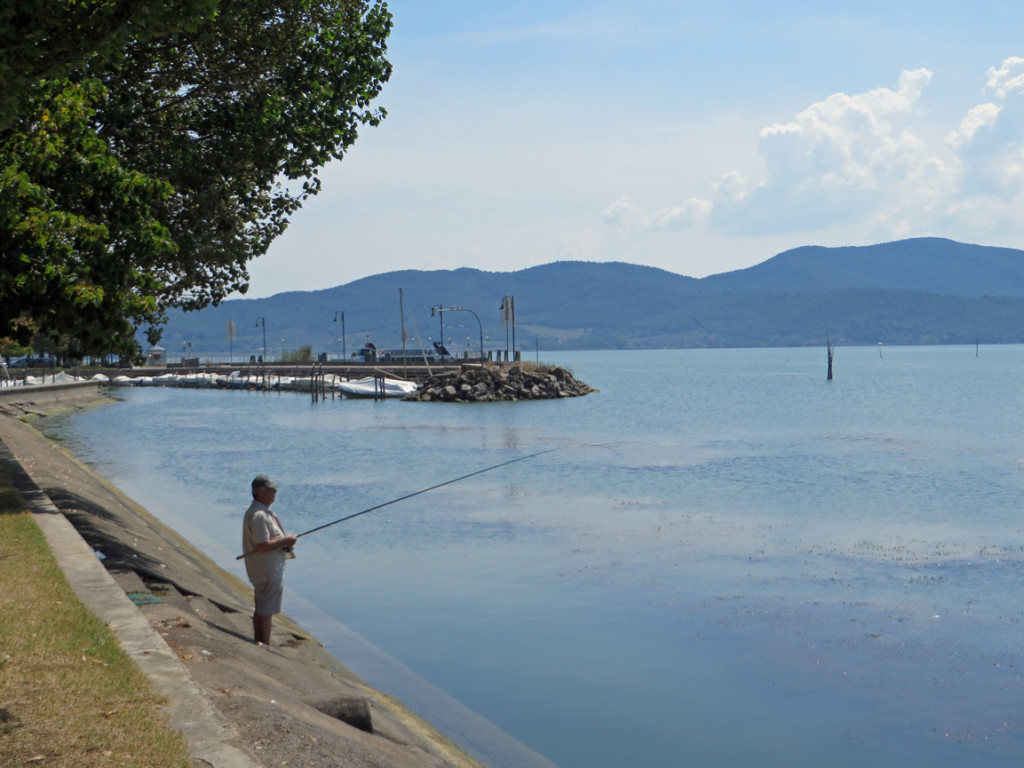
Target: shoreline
{"x":291,"y":702}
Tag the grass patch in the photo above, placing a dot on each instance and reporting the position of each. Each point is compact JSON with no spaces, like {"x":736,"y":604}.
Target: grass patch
{"x":69,"y":696}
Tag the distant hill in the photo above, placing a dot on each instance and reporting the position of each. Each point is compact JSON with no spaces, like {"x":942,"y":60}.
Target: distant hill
{"x":927,"y":264}
{"x":919,"y":291}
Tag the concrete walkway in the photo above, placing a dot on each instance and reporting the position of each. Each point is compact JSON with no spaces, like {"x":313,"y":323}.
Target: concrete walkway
{"x":211,"y":740}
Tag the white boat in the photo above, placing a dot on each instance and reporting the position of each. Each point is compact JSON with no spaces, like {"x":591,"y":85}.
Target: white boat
{"x":370,"y":386}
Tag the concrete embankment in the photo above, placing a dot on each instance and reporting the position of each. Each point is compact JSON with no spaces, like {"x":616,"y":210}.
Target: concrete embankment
{"x":187,"y":623}
{"x":40,"y":399}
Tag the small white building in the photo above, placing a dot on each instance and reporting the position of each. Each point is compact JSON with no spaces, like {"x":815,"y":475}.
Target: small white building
{"x":156,"y":356}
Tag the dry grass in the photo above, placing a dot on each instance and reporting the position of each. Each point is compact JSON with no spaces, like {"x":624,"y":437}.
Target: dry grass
{"x":69,"y":696}
{"x":531,"y":367}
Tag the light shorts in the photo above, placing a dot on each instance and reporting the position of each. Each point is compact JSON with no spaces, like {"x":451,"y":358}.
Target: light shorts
{"x":268,"y":597}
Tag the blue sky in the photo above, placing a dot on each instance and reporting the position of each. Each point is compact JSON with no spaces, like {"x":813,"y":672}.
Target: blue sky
{"x":699,"y":137}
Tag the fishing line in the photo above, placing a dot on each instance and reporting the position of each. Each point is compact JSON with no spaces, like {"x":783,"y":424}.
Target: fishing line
{"x":417,"y":493}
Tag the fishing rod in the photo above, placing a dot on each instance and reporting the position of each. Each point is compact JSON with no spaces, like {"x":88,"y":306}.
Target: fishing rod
{"x":416,"y":493}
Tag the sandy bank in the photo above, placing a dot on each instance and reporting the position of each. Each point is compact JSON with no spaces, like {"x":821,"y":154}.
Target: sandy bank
{"x":290,"y":704}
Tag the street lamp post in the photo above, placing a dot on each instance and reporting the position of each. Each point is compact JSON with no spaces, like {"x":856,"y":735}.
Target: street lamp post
{"x":437,"y":309}
{"x":440,"y":314}
{"x":262,"y":321}
{"x":508,"y":319}
{"x":341,"y":313}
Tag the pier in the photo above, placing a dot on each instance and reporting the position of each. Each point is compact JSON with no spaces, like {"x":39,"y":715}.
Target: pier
{"x":320,"y":380}
{"x":346,"y":370}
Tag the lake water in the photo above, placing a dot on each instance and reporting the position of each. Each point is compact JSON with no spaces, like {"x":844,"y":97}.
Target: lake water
{"x":729,"y":561}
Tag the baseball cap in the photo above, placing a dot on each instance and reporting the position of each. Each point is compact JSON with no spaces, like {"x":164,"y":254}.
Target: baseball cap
{"x":262,"y":481}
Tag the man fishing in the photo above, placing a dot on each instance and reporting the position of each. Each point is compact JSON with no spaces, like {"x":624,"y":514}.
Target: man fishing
{"x":267,"y":547}
{"x":249,"y":548}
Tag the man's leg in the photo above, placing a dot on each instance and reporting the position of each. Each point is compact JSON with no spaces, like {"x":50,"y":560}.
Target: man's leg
{"x":261,"y":626}
{"x":267,"y":603}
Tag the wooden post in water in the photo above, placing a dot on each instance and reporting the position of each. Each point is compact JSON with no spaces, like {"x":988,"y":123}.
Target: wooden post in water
{"x":831,"y":354}
{"x":318,"y":382}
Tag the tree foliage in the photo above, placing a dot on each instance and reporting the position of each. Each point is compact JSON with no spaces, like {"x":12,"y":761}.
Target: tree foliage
{"x":43,"y":39}
{"x":78,"y":236}
{"x":150,"y":180}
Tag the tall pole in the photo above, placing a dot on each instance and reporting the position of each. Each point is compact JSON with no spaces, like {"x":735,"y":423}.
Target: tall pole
{"x":341,"y":313}
{"x":513,"y":327}
{"x":231,"y":341}
{"x":506,"y":319}
{"x":263,"y":322}
{"x":439,"y":310}
{"x":474,"y":314}
{"x":401,"y":314}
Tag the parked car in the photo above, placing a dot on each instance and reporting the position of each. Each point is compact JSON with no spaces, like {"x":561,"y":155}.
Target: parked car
{"x":29,"y":361}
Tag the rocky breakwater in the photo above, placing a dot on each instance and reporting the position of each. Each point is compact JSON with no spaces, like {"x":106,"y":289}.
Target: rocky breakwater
{"x":493,"y":383}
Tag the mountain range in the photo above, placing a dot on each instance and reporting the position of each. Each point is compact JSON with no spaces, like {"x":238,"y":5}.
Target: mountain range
{"x":916,"y":291}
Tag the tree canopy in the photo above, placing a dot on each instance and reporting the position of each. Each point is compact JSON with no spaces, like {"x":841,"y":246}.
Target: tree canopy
{"x":40,"y":39}
{"x":145,"y":180}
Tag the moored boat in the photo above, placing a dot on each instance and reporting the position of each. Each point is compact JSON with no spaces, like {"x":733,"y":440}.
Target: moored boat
{"x":376,"y":386}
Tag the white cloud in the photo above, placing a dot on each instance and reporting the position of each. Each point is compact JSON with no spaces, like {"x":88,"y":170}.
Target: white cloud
{"x":862,"y":161}
{"x":833,"y":163}
{"x":981,"y":116}
{"x":990,"y":156}
{"x":625,"y":216}
{"x":979,"y":126}
{"x":1007,"y":78}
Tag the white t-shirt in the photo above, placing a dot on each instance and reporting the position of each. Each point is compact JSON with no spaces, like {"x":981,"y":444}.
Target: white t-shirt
{"x":261,"y":525}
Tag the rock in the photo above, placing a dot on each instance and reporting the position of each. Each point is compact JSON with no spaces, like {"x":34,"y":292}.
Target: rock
{"x":489,"y":384}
